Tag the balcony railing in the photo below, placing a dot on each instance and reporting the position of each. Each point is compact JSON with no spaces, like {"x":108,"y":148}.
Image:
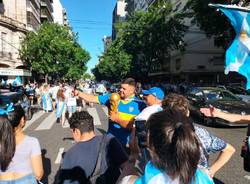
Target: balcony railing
{"x":37,"y":2}
{"x":47,"y":3}
{"x":33,"y":10}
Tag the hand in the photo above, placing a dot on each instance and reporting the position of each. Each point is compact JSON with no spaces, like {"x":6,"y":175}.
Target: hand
{"x":211,"y":173}
{"x":210,"y":112}
{"x":114,"y":117}
{"x":75,"y":92}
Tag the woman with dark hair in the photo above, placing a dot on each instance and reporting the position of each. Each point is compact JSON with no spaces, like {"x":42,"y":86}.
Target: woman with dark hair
{"x":174,"y":150}
{"x":20,"y":155}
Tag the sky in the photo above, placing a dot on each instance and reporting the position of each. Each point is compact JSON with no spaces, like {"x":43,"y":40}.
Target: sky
{"x":92,"y":20}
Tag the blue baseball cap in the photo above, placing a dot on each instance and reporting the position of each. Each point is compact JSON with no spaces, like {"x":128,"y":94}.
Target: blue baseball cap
{"x":157,"y":92}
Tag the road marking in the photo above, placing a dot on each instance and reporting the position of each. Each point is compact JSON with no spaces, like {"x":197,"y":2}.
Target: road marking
{"x":93,"y":112}
{"x":59,"y":156}
{"x":66,"y":124}
{"x":247,"y":177}
{"x":48,"y":122}
{"x":35,"y":117}
{"x":106,"y":111}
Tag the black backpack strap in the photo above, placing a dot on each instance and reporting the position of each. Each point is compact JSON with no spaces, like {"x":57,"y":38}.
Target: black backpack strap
{"x":97,"y":170}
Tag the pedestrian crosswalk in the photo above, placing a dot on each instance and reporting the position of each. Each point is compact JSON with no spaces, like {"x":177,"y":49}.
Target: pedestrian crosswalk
{"x":43,"y":121}
{"x":50,"y":119}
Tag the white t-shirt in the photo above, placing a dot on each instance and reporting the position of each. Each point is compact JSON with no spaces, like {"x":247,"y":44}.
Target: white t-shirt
{"x":145,"y":114}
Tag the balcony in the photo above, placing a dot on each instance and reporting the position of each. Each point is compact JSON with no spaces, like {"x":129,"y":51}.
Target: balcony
{"x":6,"y":21}
{"x":46,"y":15}
{"x":36,"y":3}
{"x":32,"y":23}
{"x":47,"y":4}
{"x":33,"y":10}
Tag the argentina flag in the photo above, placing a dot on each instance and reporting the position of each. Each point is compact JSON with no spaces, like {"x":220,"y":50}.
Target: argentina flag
{"x":237,"y":55}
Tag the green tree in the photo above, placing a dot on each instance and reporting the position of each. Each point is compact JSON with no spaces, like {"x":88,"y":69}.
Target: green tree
{"x":145,"y":40}
{"x":54,"y":51}
{"x":151,"y":36}
{"x":114,"y":64}
{"x":211,"y":21}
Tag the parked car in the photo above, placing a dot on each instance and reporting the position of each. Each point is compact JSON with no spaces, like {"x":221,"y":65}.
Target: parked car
{"x":7,"y":97}
{"x":240,"y":92}
{"x":218,"y":98}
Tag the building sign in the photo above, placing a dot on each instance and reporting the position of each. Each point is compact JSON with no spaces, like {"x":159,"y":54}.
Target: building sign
{"x":14,"y":72}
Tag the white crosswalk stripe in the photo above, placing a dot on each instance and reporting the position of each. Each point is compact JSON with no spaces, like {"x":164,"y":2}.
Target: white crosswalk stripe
{"x":48,"y":122}
{"x":35,"y":117}
{"x":66,"y":124}
{"x":93,"y":112}
{"x":59,"y":156}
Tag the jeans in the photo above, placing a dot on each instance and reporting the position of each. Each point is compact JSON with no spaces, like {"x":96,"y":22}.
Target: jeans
{"x":28,"y":179}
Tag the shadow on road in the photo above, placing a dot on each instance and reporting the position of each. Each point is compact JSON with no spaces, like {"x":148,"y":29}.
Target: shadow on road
{"x":46,"y":167}
{"x":217,"y":181}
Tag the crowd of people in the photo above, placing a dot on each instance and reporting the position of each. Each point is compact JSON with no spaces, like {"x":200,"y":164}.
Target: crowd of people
{"x":150,"y":139}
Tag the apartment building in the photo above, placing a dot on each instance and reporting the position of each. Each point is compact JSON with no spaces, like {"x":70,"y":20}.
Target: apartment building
{"x":47,"y":11}
{"x":119,"y":14}
{"x":17,"y":17}
{"x":33,"y":15}
{"x":59,"y":13}
{"x":13,"y":22}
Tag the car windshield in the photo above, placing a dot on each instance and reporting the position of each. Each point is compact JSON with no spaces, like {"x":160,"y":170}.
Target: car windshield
{"x":219,"y":95}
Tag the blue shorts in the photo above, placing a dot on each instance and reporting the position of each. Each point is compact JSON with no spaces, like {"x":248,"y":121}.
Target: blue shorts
{"x":71,"y":109}
{"x":28,"y":179}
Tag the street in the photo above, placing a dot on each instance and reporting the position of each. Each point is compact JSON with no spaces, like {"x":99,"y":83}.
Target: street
{"x":55,"y":140}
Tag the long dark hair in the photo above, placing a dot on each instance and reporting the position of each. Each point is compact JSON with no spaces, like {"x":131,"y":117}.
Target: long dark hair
{"x":8,"y":122}
{"x":174,"y":143}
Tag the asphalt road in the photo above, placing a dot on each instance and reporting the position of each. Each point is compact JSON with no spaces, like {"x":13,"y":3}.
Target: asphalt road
{"x":55,"y":140}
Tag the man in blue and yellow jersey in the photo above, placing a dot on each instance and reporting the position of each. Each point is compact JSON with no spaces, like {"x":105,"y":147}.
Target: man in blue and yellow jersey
{"x":130,"y":106}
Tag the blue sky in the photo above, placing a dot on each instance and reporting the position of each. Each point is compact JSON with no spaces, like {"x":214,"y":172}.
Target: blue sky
{"x":91,"y":19}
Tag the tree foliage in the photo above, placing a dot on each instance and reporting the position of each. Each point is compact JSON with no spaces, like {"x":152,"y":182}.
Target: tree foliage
{"x":211,"y":21}
{"x":144,"y":40}
{"x":54,"y":51}
{"x":114,"y":64}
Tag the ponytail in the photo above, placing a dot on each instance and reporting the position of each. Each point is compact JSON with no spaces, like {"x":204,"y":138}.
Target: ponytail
{"x":7,"y":142}
{"x":175,"y":144}
{"x":186,"y":151}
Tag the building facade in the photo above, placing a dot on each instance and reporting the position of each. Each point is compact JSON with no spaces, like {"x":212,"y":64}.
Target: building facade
{"x":33,"y":15}
{"x":13,"y":28}
{"x":17,"y":17}
{"x":47,"y":11}
{"x":59,"y":13}
{"x":119,"y":15}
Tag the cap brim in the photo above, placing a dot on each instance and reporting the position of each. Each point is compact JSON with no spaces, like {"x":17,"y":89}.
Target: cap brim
{"x":146,"y":92}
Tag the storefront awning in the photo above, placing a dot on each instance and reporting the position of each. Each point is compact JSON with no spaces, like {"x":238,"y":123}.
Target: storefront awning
{"x":14,"y":72}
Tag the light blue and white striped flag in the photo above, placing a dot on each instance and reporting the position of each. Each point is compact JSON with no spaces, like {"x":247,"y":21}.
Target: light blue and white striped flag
{"x":237,"y":55}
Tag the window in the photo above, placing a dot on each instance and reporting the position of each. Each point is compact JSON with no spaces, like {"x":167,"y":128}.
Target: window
{"x":178,"y":64}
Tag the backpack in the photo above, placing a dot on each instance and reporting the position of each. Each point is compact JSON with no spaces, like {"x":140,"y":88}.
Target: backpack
{"x":96,"y":176}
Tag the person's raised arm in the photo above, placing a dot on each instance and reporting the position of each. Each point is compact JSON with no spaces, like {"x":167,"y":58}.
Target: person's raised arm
{"x":235,"y":118}
{"x":222,"y":159}
{"x":86,"y":97}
